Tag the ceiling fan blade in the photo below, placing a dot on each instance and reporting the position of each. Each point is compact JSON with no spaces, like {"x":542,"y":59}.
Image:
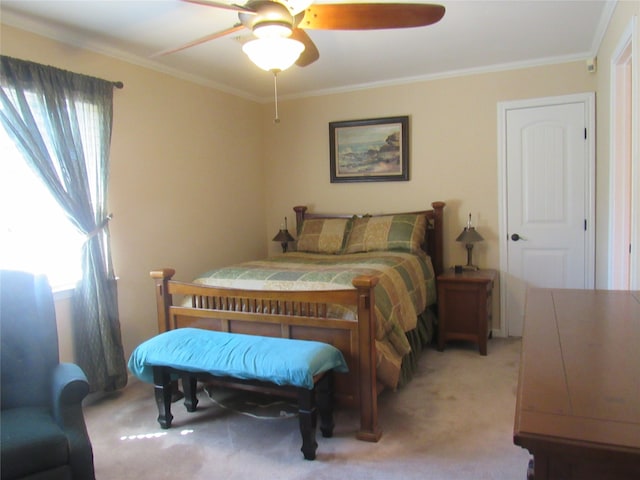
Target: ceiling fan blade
{"x":225,"y":6}
{"x":370,"y":16}
{"x":193,"y":43}
{"x":310,"y":53}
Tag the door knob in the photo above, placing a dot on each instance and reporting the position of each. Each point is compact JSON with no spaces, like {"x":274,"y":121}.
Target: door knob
{"x":515,"y":237}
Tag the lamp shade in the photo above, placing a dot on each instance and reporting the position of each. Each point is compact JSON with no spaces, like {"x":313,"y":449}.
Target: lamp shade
{"x":283,"y":236}
{"x":273,"y":54}
{"x":469,"y":235}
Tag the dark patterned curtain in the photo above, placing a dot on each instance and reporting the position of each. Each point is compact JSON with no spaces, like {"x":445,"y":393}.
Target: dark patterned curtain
{"x":61,"y":122}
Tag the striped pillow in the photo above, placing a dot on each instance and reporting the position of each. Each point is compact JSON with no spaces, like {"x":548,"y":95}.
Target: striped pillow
{"x":387,"y":232}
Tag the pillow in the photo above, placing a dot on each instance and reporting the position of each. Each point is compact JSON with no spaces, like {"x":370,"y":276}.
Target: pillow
{"x":387,"y":232}
{"x":322,"y":235}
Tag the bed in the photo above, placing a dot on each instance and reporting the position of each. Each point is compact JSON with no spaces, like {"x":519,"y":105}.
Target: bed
{"x":365,"y":284}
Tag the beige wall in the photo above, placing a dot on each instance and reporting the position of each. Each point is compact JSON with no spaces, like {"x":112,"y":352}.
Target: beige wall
{"x":200,"y":177}
{"x":186,"y":186}
{"x":453,"y":146}
{"x":453,"y":150}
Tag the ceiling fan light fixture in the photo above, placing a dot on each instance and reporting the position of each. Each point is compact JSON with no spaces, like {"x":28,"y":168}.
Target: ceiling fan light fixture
{"x":297,"y":6}
{"x":272,"y":29}
{"x":273,"y":54}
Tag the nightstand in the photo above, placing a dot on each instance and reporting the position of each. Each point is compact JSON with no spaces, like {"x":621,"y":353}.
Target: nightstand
{"x":465,"y":306}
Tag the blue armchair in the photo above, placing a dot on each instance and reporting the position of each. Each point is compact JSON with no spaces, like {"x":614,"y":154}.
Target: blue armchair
{"x":42,"y":427}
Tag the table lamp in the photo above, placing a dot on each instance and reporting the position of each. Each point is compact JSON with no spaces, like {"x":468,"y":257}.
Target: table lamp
{"x":284,"y":237}
{"x":469,"y":236}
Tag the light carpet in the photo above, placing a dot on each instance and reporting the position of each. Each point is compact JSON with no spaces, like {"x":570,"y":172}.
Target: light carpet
{"x":252,"y":404}
{"x":454,"y":420}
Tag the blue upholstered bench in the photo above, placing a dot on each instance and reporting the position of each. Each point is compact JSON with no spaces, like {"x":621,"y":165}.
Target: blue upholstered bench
{"x":297,"y":368}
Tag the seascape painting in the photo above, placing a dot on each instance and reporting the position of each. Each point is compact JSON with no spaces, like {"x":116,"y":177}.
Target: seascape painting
{"x":369,"y":150}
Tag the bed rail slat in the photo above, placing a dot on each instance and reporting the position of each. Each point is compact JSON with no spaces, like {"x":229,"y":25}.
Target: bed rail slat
{"x":261,"y":306}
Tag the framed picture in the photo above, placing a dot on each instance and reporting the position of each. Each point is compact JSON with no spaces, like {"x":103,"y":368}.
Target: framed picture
{"x":374,"y":150}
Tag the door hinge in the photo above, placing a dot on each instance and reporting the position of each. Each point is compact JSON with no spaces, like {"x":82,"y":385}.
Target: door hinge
{"x":585,"y":133}
{"x":585,"y":224}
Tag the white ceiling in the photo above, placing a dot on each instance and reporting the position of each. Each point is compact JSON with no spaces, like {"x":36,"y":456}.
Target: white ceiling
{"x":473,"y":36}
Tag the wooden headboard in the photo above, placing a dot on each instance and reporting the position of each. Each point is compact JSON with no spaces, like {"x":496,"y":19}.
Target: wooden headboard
{"x":433,"y":243}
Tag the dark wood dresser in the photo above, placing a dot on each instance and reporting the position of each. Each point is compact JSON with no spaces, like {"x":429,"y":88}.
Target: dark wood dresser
{"x":578,"y":398}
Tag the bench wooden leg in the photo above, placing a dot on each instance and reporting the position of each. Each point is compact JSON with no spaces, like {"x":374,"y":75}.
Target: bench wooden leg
{"x":308,"y":418}
{"x":176,"y":394}
{"x":189,"y":383}
{"x":163,"y":390}
{"x":324,"y":398}
{"x":318,"y":400}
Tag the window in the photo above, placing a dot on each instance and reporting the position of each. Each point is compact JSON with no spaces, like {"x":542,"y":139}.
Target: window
{"x":35,"y":234}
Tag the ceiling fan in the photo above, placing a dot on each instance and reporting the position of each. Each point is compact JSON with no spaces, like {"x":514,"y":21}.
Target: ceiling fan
{"x":275,"y":20}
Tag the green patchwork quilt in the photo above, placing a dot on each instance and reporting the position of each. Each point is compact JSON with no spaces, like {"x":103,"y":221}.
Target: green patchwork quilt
{"x":406,"y":286}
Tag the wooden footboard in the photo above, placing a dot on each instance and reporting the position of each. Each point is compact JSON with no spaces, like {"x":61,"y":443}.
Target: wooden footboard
{"x":288,"y":314}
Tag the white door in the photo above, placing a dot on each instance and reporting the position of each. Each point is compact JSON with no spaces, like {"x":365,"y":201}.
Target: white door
{"x":547,"y":212}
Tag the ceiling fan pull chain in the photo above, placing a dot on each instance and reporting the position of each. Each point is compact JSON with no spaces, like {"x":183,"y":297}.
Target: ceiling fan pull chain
{"x":275,"y":91}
